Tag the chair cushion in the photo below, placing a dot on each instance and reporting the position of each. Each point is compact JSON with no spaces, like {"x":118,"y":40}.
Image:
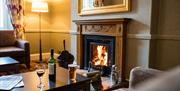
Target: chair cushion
{"x":11,"y":51}
{"x":7,"y":38}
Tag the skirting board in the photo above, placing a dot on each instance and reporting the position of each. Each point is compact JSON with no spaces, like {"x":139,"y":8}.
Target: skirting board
{"x":45,"y":56}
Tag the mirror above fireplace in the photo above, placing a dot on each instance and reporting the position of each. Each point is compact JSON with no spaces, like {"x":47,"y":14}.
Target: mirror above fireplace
{"x":90,"y":7}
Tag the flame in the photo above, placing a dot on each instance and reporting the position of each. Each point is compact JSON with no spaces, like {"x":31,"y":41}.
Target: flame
{"x":101,"y":56}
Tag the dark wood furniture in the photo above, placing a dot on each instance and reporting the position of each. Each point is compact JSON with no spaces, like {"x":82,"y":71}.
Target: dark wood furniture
{"x":62,"y":83}
{"x":8,"y":63}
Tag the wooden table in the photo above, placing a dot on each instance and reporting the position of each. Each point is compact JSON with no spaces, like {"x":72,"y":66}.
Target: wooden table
{"x":62,"y":83}
{"x":8,"y":63}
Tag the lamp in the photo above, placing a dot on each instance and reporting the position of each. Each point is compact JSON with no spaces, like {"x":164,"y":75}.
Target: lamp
{"x":39,"y":7}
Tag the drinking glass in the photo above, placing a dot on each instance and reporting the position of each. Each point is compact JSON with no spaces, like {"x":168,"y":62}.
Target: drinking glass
{"x":40,"y":70}
{"x":72,"y":72}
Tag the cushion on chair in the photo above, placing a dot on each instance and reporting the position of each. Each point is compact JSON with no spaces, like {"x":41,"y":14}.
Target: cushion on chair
{"x":11,"y":51}
{"x":7,"y":38}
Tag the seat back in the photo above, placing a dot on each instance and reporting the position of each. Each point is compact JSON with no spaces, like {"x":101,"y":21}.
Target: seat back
{"x":139,"y":75}
{"x":7,"y":38}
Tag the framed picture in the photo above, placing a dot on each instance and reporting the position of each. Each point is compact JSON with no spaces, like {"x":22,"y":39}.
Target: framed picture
{"x":90,"y":7}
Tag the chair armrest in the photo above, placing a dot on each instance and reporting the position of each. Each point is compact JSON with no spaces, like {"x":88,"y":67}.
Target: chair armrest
{"x":167,"y":81}
{"x":26,"y":46}
{"x":138,"y":75}
{"x":22,"y":44}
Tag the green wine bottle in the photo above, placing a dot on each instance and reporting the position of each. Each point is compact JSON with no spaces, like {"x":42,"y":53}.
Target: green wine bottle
{"x":52,"y":66}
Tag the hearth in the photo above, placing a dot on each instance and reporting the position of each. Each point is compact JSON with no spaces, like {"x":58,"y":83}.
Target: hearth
{"x":98,"y":53}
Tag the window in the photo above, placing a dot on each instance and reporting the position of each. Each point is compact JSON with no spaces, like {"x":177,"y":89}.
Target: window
{"x":5,"y":23}
{"x":1,"y":13}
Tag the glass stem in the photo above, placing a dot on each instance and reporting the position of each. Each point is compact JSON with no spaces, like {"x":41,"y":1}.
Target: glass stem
{"x":40,"y":81}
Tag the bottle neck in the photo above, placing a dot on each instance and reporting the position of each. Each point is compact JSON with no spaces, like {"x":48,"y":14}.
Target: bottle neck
{"x":52,"y":56}
{"x":51,"y":60}
{"x":52,"y":53}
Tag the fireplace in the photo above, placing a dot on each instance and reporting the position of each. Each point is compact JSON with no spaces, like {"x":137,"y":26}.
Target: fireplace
{"x":98,"y":52}
{"x":101,"y":43}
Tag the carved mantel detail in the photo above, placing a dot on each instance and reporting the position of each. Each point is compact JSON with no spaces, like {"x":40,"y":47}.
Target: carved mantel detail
{"x":104,"y":27}
{"x":98,"y":28}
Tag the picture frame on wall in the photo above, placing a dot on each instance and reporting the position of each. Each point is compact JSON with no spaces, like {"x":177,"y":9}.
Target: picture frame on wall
{"x":92,"y":7}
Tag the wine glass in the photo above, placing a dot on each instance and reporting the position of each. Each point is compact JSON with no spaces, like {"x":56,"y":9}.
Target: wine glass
{"x":40,"y":70}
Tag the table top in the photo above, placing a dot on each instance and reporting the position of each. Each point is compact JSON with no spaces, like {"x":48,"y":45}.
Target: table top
{"x":7,"y":61}
{"x":31,"y":80}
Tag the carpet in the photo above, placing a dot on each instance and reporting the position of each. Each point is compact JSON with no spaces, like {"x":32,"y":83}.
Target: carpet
{"x":22,"y":68}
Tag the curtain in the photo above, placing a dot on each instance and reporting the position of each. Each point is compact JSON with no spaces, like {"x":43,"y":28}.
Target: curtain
{"x":16,"y":11}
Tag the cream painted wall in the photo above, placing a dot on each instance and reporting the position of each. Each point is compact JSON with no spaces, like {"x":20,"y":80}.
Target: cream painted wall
{"x":138,"y":31}
{"x":32,"y":19}
{"x":55,"y":26}
{"x":169,"y":12}
{"x":60,"y":15}
{"x":33,"y":38}
{"x":57,"y":41}
{"x":49,"y":40}
{"x":168,"y":54}
{"x":167,"y":45}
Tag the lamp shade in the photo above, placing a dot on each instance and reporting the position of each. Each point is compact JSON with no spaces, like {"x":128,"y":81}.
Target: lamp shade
{"x":39,"y":6}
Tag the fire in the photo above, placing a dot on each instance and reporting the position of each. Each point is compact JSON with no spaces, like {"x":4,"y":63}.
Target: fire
{"x":100,"y":55}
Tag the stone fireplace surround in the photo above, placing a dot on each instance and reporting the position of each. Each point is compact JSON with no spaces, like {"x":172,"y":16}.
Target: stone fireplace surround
{"x":104,"y":27}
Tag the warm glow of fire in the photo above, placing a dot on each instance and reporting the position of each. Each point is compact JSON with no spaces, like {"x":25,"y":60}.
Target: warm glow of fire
{"x":100,"y":56}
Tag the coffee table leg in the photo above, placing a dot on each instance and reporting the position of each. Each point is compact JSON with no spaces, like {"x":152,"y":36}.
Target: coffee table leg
{"x":16,"y":68}
{"x":87,"y":87}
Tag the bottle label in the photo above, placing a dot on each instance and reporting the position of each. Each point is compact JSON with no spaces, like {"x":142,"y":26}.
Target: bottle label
{"x":51,"y":69}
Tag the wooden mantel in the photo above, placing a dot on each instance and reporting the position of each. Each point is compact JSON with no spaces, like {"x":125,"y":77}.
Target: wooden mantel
{"x":106,"y":27}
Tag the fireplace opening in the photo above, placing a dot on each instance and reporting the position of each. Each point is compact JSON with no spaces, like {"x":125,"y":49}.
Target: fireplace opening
{"x":98,"y":53}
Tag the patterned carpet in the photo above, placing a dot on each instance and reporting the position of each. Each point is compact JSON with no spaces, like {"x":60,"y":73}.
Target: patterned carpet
{"x":22,"y":68}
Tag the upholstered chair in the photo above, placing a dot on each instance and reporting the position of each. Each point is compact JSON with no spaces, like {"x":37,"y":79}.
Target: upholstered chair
{"x":139,"y":75}
{"x":146,"y":79}
{"x":14,"y":48}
